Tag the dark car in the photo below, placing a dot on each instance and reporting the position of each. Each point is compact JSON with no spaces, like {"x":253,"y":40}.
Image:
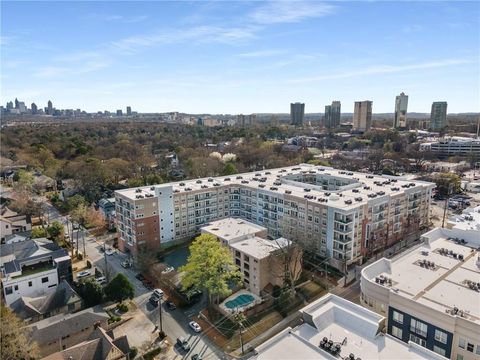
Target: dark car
{"x":148,"y":284}
{"x":196,"y":357}
{"x":170,"y":305}
{"x":154,"y":301}
{"x":183,"y":344}
{"x":139,"y":276}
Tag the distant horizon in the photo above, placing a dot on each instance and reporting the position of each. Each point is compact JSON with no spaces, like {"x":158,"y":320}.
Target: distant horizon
{"x":240,"y":57}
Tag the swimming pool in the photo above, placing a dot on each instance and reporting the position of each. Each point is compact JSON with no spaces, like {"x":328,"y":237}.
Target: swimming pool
{"x":239,"y":301}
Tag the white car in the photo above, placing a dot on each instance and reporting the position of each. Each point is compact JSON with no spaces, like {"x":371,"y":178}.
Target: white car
{"x":109,"y":251}
{"x":101,"y":280}
{"x":83,"y":274}
{"x":195,"y":327}
{"x":168,"y":269}
{"x":158,"y":293}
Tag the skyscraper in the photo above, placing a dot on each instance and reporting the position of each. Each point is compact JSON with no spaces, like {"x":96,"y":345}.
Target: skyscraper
{"x":34,"y":108}
{"x":9,"y":105}
{"x":119,"y":113}
{"x":438,"y":115}
{"x":49,"y":108}
{"x":400,"y":116}
{"x":362,"y":116}
{"x":297,"y":113}
{"x":16,"y":103}
{"x":332,"y":115}
{"x":129,"y":111}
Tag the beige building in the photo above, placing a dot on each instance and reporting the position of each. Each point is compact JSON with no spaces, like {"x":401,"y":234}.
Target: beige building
{"x":431,"y":293}
{"x":261,"y":261}
{"x":362,"y":116}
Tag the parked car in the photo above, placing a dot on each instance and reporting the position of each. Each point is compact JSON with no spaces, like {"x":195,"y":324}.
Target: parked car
{"x":183,"y":344}
{"x":196,"y":357}
{"x":126,"y":264}
{"x":158,"y":293}
{"x":154,"y":300}
{"x":168,"y":269}
{"x":139,"y":276}
{"x":101,"y":280}
{"x":148,"y":284}
{"x":109,"y":251}
{"x":83,"y":274}
{"x":170,"y":305}
{"x":195,"y":327}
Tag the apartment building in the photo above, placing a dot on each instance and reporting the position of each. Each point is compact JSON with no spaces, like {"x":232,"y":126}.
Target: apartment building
{"x":334,"y":214}
{"x":362,"y":116}
{"x":431,"y":293}
{"x":335,"y":328}
{"x":261,"y":261}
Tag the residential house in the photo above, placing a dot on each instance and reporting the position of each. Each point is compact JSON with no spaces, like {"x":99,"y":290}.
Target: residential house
{"x":12,"y":223}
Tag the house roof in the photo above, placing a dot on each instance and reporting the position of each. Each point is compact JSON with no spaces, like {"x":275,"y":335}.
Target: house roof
{"x":27,"y":307}
{"x":50,"y":329}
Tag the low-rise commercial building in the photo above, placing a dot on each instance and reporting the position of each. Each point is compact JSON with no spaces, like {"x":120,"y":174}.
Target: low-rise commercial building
{"x":431,"y":293}
{"x":453,"y":146}
{"x":334,"y":214}
{"x":335,"y":328}
{"x":32,"y":268}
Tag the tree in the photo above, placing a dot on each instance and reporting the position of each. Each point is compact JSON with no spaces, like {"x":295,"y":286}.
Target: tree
{"x":56,"y":230}
{"x":210,"y":267}
{"x":24,"y":178}
{"x":448,"y":183}
{"x":229,"y":169}
{"x":92,"y":293}
{"x":119,"y":289}
{"x":39,"y":233}
{"x":15,"y":342}
{"x":287,"y":263}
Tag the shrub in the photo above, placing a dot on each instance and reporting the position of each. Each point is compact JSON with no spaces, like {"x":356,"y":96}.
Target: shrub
{"x":133,"y":352}
{"x":80,"y":257}
{"x":89,"y":264}
{"x":122,"y":307}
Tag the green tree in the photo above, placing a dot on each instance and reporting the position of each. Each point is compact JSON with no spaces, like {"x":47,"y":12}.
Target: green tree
{"x":39,"y":233}
{"x":75,"y":201}
{"x":15,"y":342}
{"x":119,"y":289}
{"x":56,"y":230}
{"x":229,"y":169}
{"x":92,"y":293}
{"x":24,"y":178}
{"x":210,"y":267}
{"x":446,"y":181}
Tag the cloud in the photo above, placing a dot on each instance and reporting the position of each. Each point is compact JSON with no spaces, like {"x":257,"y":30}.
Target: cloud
{"x":118,"y":18}
{"x":262,"y":53}
{"x":384,"y":69}
{"x":290,"y":11}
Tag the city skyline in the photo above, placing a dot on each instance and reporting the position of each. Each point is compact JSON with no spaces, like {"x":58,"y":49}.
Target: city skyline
{"x":244,"y":57}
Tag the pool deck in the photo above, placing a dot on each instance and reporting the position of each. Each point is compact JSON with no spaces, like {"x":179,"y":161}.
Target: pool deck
{"x":257,"y":300}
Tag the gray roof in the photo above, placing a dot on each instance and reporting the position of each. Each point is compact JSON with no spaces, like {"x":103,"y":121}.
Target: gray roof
{"x":27,"y":307}
{"x":52,"y":328}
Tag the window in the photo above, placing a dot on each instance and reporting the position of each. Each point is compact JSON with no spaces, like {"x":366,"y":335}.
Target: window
{"x":30,"y":284}
{"x":15,"y":287}
{"x":44,"y":280}
{"x":439,"y":350}
{"x":461,"y":343}
{"x":397,"y":317}
{"x":418,"y":340}
{"x":397,"y":332}
{"x":440,"y":336}
{"x":8,"y":290}
{"x":418,"y":327}
{"x":470,"y":347}
{"x":478,"y":350}
{"x":459,"y":357}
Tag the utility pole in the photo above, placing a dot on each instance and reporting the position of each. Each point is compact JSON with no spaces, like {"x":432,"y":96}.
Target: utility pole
{"x":446,"y":204}
{"x":107,"y":273}
{"x":240,"y":318}
{"x":160,"y":315}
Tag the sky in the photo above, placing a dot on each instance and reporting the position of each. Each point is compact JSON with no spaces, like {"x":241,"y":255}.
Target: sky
{"x":240,"y":56}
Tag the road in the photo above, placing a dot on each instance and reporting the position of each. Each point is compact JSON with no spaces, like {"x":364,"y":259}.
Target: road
{"x":175,"y":322}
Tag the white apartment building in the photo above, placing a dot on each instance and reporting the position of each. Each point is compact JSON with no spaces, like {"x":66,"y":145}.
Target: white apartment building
{"x":334,"y":214}
{"x":335,"y":328}
{"x":431,"y":293}
{"x":453,"y":146}
{"x":259,"y":260}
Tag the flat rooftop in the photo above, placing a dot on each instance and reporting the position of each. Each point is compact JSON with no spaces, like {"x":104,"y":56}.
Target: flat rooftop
{"x":439,"y":273}
{"x":355,"y":329}
{"x":362,"y":188}
{"x":258,"y":248}
{"x":231,"y":229}
{"x":468,"y":220}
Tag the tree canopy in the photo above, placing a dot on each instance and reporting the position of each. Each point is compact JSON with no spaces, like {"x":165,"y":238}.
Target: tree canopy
{"x":92,"y":293}
{"x":210,"y":267}
{"x":119,"y":289}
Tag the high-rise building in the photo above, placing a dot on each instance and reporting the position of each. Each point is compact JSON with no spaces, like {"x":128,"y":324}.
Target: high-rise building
{"x":400,"y":116}
{"x":16,"y":103}
{"x":332,"y":115}
{"x":362,"y":116}
{"x":438,"y":115}
{"x":9,"y":105}
{"x":129,"y":111}
{"x":119,"y":113}
{"x":22,"y":108}
{"x":297,"y":113}
{"x":34,"y":108}
{"x":49,"y":108}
